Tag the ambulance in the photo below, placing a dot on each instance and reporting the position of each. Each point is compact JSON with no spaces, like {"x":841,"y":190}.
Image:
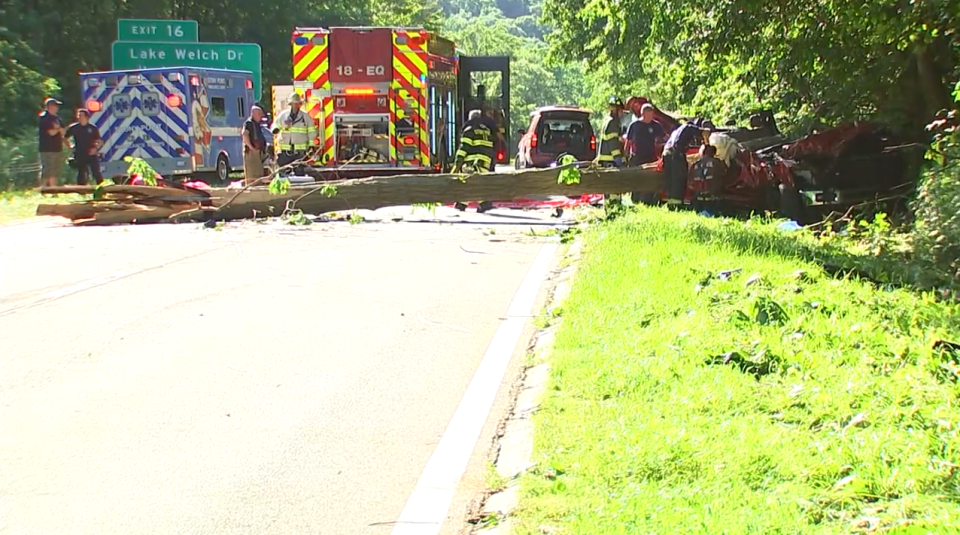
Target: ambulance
{"x":180,"y":120}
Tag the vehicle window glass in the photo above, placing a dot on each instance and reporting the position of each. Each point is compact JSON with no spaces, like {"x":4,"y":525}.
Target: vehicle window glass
{"x":121,"y":106}
{"x":150,"y":103}
{"x":241,"y":105}
{"x":218,"y":107}
{"x":564,"y":128}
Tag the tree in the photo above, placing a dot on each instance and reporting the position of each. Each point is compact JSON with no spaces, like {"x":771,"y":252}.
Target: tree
{"x":22,"y":86}
{"x":838,"y":59}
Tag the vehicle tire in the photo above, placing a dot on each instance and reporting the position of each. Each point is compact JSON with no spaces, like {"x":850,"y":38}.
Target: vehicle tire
{"x":223,"y":169}
{"x":791,"y":203}
{"x":771,"y":198}
{"x":516,"y":163}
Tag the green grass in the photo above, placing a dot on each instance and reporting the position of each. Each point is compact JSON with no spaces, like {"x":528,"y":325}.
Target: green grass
{"x":23,"y":204}
{"x":856,"y":426}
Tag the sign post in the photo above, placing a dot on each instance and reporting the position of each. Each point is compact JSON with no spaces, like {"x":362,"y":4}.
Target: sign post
{"x":149,"y":55}
{"x":182,"y":31}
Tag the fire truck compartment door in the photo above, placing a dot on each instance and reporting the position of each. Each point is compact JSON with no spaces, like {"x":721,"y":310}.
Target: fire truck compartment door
{"x":362,"y":138}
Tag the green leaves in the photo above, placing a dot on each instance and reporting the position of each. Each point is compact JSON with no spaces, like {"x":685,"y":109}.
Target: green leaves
{"x":140,"y":168}
{"x":279,"y":186}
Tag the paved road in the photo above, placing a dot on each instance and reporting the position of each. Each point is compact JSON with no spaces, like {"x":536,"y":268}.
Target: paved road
{"x":258,"y":378}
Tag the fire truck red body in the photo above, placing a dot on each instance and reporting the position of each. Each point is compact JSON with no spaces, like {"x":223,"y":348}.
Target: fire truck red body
{"x":385,"y":99}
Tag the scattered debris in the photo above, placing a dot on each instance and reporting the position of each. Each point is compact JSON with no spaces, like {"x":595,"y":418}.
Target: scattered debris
{"x":113,"y":204}
{"x":759,"y":365}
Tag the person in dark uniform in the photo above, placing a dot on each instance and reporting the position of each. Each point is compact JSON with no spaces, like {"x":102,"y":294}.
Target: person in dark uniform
{"x":475,"y":152}
{"x":86,"y":147}
{"x":51,"y":143}
{"x":675,"y":159}
{"x":643,"y":136}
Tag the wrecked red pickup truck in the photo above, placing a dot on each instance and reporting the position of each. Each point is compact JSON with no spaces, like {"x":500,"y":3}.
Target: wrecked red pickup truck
{"x":832,"y":170}
{"x":805,"y":179}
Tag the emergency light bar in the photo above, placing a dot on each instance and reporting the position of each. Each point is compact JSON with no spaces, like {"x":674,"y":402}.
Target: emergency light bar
{"x":93,"y":106}
{"x":359,"y":91}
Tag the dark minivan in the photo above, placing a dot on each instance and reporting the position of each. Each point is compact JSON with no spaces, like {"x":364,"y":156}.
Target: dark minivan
{"x":556,"y":130}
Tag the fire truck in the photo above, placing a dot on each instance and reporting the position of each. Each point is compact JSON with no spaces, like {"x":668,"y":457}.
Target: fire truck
{"x":390,"y":100}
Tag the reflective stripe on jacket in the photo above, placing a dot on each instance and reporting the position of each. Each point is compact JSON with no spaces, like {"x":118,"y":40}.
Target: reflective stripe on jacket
{"x":610,"y":148}
{"x":476,"y":145}
{"x":299,"y":135}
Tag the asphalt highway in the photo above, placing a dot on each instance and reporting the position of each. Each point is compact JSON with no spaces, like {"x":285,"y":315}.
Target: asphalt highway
{"x":252,"y":378}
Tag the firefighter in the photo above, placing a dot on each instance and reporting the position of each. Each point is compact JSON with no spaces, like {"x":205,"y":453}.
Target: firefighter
{"x":490,"y":120}
{"x":610,"y":152}
{"x":675,"y":158}
{"x":297,"y":132}
{"x":707,"y":175}
{"x":476,"y":151}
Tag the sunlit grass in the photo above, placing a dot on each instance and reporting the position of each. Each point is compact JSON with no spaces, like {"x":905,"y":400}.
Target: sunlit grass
{"x":23,"y":204}
{"x":855,"y":428}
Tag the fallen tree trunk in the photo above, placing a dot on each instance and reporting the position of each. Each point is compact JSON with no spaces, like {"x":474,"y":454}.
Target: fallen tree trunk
{"x":400,"y":190}
{"x":130,"y":204}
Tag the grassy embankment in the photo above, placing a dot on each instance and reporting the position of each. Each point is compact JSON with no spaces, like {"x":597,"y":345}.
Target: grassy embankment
{"x":23,"y":204}
{"x":839,"y":418}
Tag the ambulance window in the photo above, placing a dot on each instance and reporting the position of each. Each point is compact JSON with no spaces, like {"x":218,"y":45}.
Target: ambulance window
{"x":218,"y":107}
{"x":150,"y":103}
{"x":241,"y":105}
{"x":120,"y":105}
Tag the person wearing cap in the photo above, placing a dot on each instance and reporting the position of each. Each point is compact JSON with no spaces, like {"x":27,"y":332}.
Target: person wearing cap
{"x":297,"y":132}
{"x":86,"y":147}
{"x":51,"y":143}
{"x":254,"y":145}
{"x":675,"y":165}
{"x":610,"y":151}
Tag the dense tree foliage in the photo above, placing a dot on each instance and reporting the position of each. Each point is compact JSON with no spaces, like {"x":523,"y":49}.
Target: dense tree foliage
{"x":481,"y":28}
{"x":837,"y":59}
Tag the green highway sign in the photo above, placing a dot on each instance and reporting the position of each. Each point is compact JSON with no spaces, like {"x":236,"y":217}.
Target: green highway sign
{"x":236,"y":56}
{"x":183,"y":31}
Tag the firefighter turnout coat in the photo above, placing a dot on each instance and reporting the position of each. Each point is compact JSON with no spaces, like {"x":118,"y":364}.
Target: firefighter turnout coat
{"x":476,"y":146}
{"x":299,"y":136}
{"x":610,"y":152}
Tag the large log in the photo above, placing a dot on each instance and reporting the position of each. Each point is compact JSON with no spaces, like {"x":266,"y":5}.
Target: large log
{"x":400,"y":190}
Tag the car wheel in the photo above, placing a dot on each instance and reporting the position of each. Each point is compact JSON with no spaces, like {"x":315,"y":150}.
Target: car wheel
{"x":791,"y":203}
{"x":223,"y":168}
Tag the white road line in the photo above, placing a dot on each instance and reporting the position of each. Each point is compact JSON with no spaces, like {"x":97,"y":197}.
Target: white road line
{"x":427,"y":507}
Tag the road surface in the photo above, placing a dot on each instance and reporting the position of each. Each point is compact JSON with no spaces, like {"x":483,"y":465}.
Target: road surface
{"x":256,"y":378}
